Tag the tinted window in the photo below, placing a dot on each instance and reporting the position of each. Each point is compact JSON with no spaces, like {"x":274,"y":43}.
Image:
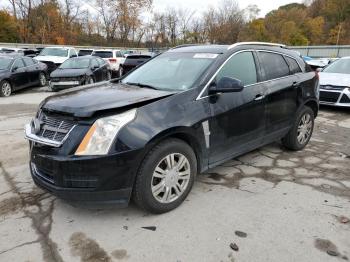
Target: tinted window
{"x":94,"y":63}
{"x":18,"y":63}
{"x":84,"y":52}
{"x":293,"y":65}
{"x":103,"y":54}
{"x":240,"y":66}
{"x":274,"y":65}
{"x":28,"y":61}
{"x":101,"y":61}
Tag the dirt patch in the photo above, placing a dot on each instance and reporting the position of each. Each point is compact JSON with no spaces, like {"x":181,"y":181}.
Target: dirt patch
{"x":87,"y":248}
{"x":10,"y":205}
{"x":120,"y":254}
{"x":326,"y":246}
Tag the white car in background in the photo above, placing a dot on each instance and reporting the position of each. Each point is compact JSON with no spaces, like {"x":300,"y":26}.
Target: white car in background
{"x":113,"y":57}
{"x":53,"y":57}
{"x":335,"y":83}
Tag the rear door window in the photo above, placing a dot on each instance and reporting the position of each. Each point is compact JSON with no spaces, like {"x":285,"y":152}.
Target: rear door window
{"x":28,"y":61}
{"x":274,"y":65}
{"x":293,"y":65}
{"x":242,"y":67}
{"x":18,"y":63}
{"x":103,"y":54}
{"x":94,"y":63}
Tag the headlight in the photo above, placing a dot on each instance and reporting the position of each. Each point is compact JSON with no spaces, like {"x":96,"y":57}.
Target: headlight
{"x":98,"y":140}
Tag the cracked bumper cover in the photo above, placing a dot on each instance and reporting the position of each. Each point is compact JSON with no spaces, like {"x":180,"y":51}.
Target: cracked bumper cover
{"x":103,"y":180}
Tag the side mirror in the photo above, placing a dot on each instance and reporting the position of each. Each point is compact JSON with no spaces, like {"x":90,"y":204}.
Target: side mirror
{"x":227,"y":85}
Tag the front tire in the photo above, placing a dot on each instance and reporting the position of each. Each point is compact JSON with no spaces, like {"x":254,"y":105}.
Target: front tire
{"x":301,"y":132}
{"x":42,"y":79}
{"x":165,"y":177}
{"x":89,"y":80}
{"x":5,"y":88}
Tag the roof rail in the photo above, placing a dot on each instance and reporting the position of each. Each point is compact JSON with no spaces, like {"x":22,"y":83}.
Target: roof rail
{"x":185,"y":45}
{"x":255,"y":43}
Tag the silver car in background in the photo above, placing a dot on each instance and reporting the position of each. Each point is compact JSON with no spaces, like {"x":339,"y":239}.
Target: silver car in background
{"x":335,"y":83}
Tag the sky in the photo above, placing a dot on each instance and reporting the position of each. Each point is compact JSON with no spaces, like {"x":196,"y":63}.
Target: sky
{"x":201,"y":5}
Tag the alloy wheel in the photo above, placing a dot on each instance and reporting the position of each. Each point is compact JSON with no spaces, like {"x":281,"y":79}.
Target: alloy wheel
{"x":304,"y":129}
{"x":42,"y":79}
{"x":171,"y":178}
{"x":6,"y":89}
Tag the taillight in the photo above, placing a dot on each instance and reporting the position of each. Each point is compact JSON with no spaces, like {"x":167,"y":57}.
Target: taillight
{"x":112,"y":60}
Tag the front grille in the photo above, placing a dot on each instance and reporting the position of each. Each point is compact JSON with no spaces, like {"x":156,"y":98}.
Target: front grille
{"x":345,"y":99}
{"x":57,"y":79}
{"x":54,"y":128}
{"x":330,"y":87}
{"x":330,"y":97}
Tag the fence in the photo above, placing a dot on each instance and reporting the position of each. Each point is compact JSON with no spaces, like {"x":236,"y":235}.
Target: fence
{"x":323,"y":51}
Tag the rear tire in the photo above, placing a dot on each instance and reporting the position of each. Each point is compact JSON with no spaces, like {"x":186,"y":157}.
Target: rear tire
{"x":301,"y":132}
{"x":5,"y":88}
{"x":109,"y":76}
{"x":165,"y":176}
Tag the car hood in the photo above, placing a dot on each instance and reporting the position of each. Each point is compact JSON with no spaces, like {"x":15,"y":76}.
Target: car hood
{"x":69,"y":72}
{"x":85,"y":101}
{"x":4,"y":72}
{"x":54,"y":59}
{"x":334,"y":79}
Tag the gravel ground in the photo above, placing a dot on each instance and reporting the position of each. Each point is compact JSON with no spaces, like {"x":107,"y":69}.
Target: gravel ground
{"x":268,"y":205}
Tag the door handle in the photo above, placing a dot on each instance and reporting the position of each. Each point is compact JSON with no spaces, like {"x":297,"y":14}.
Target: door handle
{"x":259,"y":97}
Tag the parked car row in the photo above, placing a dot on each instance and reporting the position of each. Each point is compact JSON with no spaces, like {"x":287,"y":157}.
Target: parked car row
{"x":17,"y":72}
{"x":64,"y":67}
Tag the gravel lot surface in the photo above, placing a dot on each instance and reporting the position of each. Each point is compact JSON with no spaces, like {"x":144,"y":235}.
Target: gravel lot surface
{"x":268,"y":205}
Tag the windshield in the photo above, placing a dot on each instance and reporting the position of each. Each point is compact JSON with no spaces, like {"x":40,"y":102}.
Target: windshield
{"x":5,"y":63}
{"x":171,"y":71}
{"x":341,"y":66}
{"x":54,"y":52}
{"x":76,"y":63}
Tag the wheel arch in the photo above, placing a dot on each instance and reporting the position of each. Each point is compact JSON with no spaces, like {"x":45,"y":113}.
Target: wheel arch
{"x":187,"y":135}
{"x":313,"y":105}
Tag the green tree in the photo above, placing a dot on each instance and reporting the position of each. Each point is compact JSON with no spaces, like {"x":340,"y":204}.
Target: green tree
{"x":8,"y":28}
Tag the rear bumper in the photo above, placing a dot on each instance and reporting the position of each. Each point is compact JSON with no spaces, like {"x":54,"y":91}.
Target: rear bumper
{"x":335,"y":97}
{"x":92,"y":181}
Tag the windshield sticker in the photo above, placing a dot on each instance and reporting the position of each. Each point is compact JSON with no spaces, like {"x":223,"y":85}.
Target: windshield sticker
{"x":206,"y":56}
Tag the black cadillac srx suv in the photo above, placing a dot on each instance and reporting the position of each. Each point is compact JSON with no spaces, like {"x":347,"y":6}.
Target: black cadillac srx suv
{"x":146,"y":135}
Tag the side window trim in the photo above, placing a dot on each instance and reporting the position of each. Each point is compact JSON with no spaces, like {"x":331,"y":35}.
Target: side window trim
{"x":301,"y":70}
{"x":218,"y":70}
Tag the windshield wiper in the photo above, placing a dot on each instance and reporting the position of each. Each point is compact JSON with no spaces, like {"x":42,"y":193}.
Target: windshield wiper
{"x":141,"y":85}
